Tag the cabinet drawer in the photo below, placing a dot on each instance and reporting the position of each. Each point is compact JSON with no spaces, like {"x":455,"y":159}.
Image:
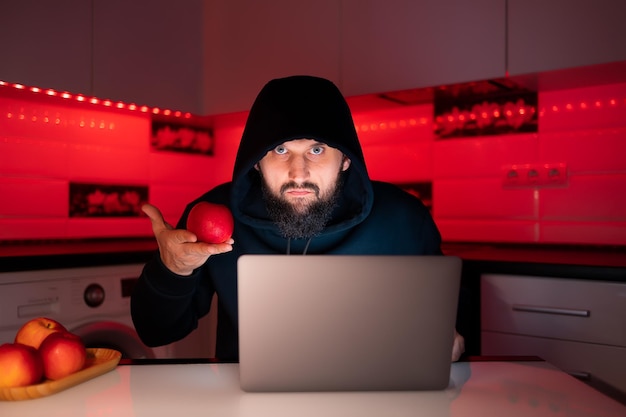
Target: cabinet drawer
{"x":597,"y":365}
{"x":580,"y":310}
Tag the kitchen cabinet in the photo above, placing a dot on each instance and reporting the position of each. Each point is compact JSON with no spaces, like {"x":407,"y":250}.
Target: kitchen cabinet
{"x":398,"y":45}
{"x":575,"y":324}
{"x":558,"y":34}
{"x":44,"y":48}
{"x":143,"y":52}
{"x":363,"y":46}
{"x":212,"y":57}
{"x":249,"y":43}
{"x":149,"y":52}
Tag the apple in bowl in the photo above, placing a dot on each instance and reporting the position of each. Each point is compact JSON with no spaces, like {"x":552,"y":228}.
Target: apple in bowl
{"x":62,"y":354}
{"x":34,"y":331}
{"x":20,"y":365}
{"x":210,"y":222}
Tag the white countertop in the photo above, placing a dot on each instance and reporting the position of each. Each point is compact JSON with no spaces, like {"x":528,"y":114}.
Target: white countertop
{"x":180,"y":390}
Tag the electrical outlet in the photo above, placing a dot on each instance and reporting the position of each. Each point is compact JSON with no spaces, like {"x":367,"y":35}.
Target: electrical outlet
{"x":553,"y":174}
{"x":519,"y":175}
{"x":535,"y":175}
{"x":511,"y":178}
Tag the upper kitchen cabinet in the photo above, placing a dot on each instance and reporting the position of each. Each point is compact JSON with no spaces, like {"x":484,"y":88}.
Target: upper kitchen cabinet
{"x":396,"y":45}
{"x":558,"y":34}
{"x":149,"y":52}
{"x":45,"y":48}
{"x":248,"y":43}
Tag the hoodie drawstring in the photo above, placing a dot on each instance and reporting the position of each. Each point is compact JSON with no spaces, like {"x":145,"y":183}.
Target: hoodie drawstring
{"x":306,"y":247}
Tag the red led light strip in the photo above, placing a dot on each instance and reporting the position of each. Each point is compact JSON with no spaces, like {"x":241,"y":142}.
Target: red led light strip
{"x":96,"y":101}
{"x":394,"y":124}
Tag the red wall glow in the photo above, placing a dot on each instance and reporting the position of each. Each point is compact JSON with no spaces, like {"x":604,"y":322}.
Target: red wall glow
{"x":50,"y":139}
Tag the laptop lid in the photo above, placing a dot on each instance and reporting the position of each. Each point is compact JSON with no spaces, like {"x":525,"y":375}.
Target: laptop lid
{"x":346,"y":322}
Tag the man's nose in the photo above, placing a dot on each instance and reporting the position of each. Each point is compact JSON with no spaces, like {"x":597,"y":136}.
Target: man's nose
{"x":298,"y":168}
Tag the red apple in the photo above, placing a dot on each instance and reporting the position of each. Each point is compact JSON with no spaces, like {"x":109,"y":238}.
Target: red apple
{"x":211,"y":223}
{"x":63,"y":353}
{"x":20,"y":365}
{"x":34,"y":331}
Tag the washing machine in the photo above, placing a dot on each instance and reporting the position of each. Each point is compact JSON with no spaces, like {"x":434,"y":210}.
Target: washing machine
{"x":93,"y":302}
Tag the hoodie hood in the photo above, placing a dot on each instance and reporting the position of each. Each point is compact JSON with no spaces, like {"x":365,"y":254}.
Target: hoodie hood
{"x":299,"y":107}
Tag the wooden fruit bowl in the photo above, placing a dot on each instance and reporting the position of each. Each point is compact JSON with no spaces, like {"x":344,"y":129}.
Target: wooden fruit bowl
{"x":99,"y":361}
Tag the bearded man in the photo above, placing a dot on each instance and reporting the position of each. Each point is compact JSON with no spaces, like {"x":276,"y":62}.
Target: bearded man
{"x":299,"y":186}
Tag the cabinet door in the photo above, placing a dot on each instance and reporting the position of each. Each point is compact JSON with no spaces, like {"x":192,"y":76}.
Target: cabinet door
{"x":596,"y":364}
{"x":397,"y":45}
{"x":149,"y":52}
{"x":556,"y":34}
{"x":47,"y":44}
{"x":249,"y":43}
{"x":568,"y":309}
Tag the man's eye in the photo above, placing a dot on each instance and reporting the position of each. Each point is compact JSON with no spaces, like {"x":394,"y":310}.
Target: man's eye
{"x":317,"y":150}
{"x":280,"y":150}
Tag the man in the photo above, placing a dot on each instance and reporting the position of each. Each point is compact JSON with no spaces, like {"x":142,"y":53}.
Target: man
{"x":299,"y":186}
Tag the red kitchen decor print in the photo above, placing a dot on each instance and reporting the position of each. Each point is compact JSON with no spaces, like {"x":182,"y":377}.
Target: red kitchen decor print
{"x":486,"y":108}
{"x":106,"y":200}
{"x":176,"y":137}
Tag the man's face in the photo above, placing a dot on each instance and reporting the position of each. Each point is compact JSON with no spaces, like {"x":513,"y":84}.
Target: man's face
{"x":300,"y":185}
{"x":302,"y":172}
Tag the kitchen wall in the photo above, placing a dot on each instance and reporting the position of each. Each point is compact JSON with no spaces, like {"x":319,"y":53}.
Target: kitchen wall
{"x":581,"y":133}
{"x":47,"y":144}
{"x":581,"y":137}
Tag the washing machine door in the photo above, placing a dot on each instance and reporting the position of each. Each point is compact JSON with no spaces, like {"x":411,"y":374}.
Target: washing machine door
{"x":113,"y":335}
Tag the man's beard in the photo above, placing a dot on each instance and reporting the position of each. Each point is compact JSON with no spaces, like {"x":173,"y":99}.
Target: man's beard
{"x":307,"y":221}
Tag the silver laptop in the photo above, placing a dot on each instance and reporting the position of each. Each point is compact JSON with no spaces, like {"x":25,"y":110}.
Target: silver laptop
{"x":346,"y":323}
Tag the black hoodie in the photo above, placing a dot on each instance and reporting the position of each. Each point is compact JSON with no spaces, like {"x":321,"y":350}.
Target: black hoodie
{"x":370,"y":218}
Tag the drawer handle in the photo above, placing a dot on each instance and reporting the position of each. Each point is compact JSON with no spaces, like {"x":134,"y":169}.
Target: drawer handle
{"x":552,"y":310}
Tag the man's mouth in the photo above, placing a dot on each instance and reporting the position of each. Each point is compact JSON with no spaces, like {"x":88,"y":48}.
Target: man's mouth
{"x":299,"y":192}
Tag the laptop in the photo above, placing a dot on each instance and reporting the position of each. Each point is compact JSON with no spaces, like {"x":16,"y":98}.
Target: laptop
{"x":346,"y":322}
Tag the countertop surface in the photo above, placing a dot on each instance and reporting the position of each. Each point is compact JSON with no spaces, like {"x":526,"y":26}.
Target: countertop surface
{"x":593,"y":256}
{"x":482,"y":388}
{"x":595,"y":262}
{"x":537,"y":253}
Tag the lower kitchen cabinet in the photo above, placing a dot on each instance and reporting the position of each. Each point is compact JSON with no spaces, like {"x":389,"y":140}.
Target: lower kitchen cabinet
{"x":577,"y":325}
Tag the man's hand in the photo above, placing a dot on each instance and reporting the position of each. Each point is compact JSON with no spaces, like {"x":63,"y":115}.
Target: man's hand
{"x":180,"y":250}
{"x":459,"y":346}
